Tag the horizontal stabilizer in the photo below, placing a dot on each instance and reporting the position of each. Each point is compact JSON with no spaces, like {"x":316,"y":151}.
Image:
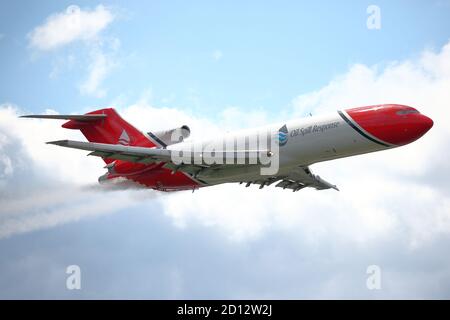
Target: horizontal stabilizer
{"x":116,"y":151}
{"x":85,"y":117}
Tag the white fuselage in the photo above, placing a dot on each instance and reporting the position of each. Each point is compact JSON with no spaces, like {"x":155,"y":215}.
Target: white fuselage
{"x":309,"y":140}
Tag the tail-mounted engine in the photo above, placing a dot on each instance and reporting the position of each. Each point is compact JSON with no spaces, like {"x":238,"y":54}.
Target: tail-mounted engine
{"x":172,"y":136}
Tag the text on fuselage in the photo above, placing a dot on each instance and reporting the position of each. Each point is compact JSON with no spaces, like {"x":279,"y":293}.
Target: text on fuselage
{"x":313,"y":129}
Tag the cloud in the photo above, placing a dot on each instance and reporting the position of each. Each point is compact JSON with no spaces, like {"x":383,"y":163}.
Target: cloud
{"x":72,"y":25}
{"x":34,"y":193}
{"x":42,"y":210}
{"x":100,"y":66}
{"x":80,"y":25}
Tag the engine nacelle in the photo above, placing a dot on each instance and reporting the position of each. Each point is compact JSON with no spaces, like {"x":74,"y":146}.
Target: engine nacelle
{"x":172,"y":136}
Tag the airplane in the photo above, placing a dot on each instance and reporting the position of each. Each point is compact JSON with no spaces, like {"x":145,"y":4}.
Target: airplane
{"x":165,"y":161}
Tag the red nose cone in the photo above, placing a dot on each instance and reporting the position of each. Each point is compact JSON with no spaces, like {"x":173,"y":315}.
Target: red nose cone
{"x":415,"y":127}
{"x":427,"y":124}
{"x":391,"y":124}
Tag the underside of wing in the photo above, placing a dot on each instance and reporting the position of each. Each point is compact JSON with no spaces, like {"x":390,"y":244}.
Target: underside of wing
{"x":297,"y":179}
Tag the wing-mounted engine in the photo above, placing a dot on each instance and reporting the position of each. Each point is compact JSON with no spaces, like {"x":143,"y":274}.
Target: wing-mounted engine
{"x":168,"y":137}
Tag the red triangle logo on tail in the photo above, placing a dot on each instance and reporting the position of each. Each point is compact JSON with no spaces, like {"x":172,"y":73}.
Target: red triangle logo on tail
{"x":124,"y":139}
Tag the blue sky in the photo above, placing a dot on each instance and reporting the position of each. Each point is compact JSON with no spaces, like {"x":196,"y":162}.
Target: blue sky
{"x":219,"y":66}
{"x":272,"y":51}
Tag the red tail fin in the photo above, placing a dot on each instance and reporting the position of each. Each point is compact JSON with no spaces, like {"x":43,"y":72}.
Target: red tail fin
{"x":111,"y":129}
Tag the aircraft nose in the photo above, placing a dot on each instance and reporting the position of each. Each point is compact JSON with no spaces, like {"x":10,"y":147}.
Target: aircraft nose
{"x":419,"y":126}
{"x":426,"y":123}
{"x":391,"y":124}
{"x":413,"y":127}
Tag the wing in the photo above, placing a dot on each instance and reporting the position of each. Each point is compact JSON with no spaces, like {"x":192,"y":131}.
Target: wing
{"x":295,"y":180}
{"x":152,"y":155}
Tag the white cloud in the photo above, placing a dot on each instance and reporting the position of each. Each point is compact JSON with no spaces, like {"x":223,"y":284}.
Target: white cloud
{"x":30,"y":138}
{"x":69,"y":26}
{"x":41,"y":210}
{"x":85,"y":26}
{"x":100,"y":66}
{"x":39,"y":188}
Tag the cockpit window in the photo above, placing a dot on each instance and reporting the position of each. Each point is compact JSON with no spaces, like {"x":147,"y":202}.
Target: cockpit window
{"x":407,"y":111}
